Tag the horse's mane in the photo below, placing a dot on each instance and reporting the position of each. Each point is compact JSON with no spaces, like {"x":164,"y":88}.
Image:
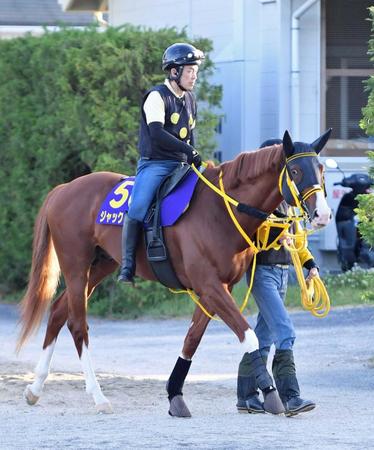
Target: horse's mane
{"x":251,"y":165}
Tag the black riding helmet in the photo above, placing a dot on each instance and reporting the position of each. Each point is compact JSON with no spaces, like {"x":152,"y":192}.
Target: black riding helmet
{"x":179,"y":55}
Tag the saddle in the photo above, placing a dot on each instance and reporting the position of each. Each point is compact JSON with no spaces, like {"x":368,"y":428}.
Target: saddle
{"x":171,"y":201}
{"x":156,"y":249}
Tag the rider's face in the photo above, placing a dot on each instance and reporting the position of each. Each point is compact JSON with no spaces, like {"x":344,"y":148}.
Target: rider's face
{"x":189,"y":77}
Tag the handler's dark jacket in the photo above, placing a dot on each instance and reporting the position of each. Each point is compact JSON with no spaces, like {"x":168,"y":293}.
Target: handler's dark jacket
{"x":180,"y":117}
{"x":282,"y":256}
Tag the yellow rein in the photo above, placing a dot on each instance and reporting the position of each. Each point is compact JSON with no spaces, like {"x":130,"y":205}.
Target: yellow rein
{"x":314,"y":296}
{"x":227,"y":199}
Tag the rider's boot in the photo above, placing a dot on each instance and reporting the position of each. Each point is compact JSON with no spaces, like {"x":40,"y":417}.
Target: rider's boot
{"x":130,"y":236}
{"x":252,"y":364}
{"x":247,"y":389}
{"x":284,"y":373}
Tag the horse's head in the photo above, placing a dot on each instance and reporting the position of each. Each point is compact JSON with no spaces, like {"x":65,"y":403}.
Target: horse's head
{"x":302,"y":181}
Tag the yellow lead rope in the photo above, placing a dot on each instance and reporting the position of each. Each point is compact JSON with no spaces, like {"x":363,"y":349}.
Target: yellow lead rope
{"x":314,"y":296}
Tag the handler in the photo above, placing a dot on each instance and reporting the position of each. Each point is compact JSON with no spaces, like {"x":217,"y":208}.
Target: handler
{"x":274,"y":326}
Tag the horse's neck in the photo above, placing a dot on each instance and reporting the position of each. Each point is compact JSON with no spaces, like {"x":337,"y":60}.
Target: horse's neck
{"x":253,"y":178}
{"x":252,"y":182}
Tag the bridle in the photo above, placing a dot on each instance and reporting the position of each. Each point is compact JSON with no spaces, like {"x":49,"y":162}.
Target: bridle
{"x":293,"y":193}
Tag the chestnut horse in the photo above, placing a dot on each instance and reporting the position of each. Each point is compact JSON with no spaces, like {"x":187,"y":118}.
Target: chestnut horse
{"x":207,"y":252}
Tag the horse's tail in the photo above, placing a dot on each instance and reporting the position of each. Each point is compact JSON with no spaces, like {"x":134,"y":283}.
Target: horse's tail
{"x":43,"y":279}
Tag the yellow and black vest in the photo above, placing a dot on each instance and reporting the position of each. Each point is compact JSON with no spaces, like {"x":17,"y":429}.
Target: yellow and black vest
{"x":180,"y":117}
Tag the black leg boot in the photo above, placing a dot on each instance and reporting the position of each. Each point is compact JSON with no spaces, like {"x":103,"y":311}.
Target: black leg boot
{"x":174,"y":386}
{"x":247,"y":389}
{"x":284,"y":373}
{"x":130,"y":236}
{"x":252,"y":365}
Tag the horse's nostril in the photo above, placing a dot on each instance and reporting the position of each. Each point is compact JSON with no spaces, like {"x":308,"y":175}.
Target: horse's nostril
{"x":315,"y":214}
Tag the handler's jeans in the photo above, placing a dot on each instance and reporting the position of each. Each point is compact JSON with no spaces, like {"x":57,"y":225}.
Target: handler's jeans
{"x":274,"y":324}
{"x":149,"y":174}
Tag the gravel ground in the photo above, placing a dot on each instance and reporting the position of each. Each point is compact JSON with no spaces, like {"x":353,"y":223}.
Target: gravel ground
{"x":134,"y":358}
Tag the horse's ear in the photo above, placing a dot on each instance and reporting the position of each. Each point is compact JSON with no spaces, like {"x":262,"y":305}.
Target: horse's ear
{"x":287,"y":144}
{"x":319,"y":143}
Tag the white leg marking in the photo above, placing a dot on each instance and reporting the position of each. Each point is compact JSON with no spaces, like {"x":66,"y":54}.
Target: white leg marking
{"x":42,"y":370}
{"x":250,"y":343}
{"x":92,"y":385}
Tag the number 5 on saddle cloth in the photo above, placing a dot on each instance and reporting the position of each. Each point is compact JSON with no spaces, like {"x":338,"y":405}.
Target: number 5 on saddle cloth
{"x":171,"y":201}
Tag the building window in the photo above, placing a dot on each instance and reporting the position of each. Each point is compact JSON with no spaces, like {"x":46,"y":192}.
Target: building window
{"x":347,"y":65}
{"x":217,"y":155}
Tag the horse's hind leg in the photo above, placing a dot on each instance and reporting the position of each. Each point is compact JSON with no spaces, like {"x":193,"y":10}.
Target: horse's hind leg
{"x":77,"y":278}
{"x":174,"y":387}
{"x":57,"y":318}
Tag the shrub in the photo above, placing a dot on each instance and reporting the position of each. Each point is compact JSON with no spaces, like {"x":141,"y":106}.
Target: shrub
{"x":69,"y":103}
{"x":366,"y":201}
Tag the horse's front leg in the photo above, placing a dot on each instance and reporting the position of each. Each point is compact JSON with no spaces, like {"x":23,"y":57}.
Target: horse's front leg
{"x":225,"y":307}
{"x":174,"y":387}
{"x":217,"y":298}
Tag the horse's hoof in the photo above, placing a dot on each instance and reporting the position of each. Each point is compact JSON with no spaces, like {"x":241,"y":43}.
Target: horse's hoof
{"x":30,"y":398}
{"x":178,"y":408}
{"x":104,"y":408}
{"x":272,"y":403}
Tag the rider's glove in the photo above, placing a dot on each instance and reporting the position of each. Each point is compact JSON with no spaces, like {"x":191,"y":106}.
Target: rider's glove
{"x":195,"y":159}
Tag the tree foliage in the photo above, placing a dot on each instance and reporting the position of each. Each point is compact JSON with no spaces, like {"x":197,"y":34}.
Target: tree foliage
{"x":69,"y":103}
{"x":366,"y":201}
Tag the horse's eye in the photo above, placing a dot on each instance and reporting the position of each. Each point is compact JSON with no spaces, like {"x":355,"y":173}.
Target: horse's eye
{"x":294,"y":172}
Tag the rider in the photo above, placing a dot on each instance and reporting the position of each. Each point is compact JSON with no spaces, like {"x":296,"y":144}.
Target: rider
{"x":274,"y":326}
{"x":165,"y":142}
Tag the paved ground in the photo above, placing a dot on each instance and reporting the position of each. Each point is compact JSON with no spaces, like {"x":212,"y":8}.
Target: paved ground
{"x":133,"y":360}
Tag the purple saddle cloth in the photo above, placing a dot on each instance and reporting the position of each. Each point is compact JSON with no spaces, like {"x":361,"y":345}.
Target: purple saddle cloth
{"x":116,"y":203}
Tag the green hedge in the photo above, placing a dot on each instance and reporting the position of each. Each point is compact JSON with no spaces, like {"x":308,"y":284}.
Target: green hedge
{"x":69,"y":101}
{"x":366,"y":201}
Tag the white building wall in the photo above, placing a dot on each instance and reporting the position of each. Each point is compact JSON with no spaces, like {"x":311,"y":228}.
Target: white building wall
{"x":284,"y":72}
{"x":310,"y":69}
{"x":269,"y":72}
{"x":153,"y":14}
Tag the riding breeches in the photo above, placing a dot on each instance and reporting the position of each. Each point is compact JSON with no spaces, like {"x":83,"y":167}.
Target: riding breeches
{"x":149,"y":176}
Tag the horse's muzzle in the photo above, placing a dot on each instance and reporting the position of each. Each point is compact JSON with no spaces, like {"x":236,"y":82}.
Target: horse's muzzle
{"x":321,"y":219}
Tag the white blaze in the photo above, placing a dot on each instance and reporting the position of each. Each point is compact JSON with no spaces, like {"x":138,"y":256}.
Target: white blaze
{"x":323,"y":212}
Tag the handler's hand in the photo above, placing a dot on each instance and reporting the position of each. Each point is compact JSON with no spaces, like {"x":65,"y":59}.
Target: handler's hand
{"x":286,"y":239}
{"x":312,"y":273}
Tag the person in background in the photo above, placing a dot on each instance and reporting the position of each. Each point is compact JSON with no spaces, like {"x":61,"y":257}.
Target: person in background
{"x":274,"y":326}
